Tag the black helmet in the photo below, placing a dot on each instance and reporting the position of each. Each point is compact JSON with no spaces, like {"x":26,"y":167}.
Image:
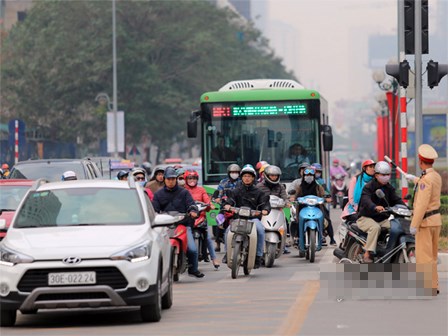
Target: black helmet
{"x":272,"y":170}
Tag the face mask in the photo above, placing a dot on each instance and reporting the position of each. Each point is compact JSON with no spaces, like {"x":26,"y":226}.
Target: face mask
{"x":181,"y":182}
{"x":142,"y":183}
{"x":383,"y":179}
{"x":318,"y":175}
{"x":309,"y":179}
{"x":234,"y":176}
{"x":192,"y":183}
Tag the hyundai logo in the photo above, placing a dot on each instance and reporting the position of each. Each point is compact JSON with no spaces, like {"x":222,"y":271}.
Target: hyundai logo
{"x":71,"y":260}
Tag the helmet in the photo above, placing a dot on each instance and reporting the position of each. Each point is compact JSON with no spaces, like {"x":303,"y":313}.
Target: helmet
{"x":317,"y":166}
{"x":367,"y":163}
{"x":148,"y":167}
{"x":69,"y":175}
{"x":170,"y":172}
{"x":335,"y":161}
{"x":248,"y":169}
{"x":260,"y":164}
{"x":263,"y":167}
{"x":122,"y":173}
{"x":382,"y":167}
{"x":180,"y":171}
{"x":303,"y":165}
{"x":137,"y":171}
{"x":272,"y":170}
{"x":191,"y":173}
{"x":233,"y":168}
{"x":5,"y":166}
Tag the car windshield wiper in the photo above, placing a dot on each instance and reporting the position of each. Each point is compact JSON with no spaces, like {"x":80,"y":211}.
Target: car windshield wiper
{"x":1,"y":210}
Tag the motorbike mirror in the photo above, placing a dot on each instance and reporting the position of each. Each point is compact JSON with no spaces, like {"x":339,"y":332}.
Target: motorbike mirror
{"x":292,"y":192}
{"x":408,"y":197}
{"x":380,"y":193}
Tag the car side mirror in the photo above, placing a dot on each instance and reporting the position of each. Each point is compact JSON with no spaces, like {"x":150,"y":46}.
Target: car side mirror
{"x":192,"y":129}
{"x":327,"y":137}
{"x":166,"y":220}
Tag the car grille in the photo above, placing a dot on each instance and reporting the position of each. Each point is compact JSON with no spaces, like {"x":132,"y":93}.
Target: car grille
{"x":72,"y":296}
{"x":109,"y":276}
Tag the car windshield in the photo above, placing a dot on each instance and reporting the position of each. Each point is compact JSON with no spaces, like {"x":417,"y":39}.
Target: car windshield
{"x":11,"y":195}
{"x":51,"y":171}
{"x":82,"y":206}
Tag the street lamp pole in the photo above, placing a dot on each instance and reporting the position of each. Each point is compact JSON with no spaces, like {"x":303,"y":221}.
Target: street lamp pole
{"x":114,"y":61}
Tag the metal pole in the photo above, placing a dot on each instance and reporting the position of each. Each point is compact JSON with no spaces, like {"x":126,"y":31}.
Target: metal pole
{"x":418,"y":82}
{"x":114,"y":61}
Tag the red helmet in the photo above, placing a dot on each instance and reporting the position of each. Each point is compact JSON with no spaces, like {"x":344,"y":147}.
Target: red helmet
{"x":5,"y":166}
{"x":336,"y":161}
{"x":260,"y":164}
{"x":191,"y":173}
{"x":367,"y":163}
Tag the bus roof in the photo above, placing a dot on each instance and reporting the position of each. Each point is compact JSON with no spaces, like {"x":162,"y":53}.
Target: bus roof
{"x":258,"y":95}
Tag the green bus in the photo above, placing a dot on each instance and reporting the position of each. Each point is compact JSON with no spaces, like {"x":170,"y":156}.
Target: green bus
{"x":247,"y":121}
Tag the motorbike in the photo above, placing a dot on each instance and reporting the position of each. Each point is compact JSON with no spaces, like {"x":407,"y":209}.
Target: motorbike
{"x":275,"y":231}
{"x":242,"y":241}
{"x":200,"y":231}
{"x":396,"y":246}
{"x":311,"y":226}
{"x":178,"y":241}
{"x":339,"y":190}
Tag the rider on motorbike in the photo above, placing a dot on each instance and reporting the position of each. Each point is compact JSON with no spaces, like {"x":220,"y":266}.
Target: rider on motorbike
{"x":309,"y":186}
{"x":372,"y":214}
{"x":248,"y":195}
{"x":139,"y":175}
{"x":336,"y":169}
{"x":156,"y":182}
{"x":199,"y":194}
{"x":357,"y":183}
{"x":271,"y":186}
{"x":229,"y":183}
{"x":297,"y":182}
{"x":180,"y":177}
{"x":260,"y":167}
{"x":173,"y":198}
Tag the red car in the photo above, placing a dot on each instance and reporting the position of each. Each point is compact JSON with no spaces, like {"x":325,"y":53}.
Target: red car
{"x":11,"y":193}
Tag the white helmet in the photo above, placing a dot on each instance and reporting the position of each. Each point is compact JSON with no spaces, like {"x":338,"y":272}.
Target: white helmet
{"x":382,"y":167}
{"x":248,"y":169}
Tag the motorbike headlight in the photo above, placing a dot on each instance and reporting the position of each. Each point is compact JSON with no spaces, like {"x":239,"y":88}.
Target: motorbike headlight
{"x":137,"y":253}
{"x":311,"y":201}
{"x":9,"y":257}
{"x":244,"y":212}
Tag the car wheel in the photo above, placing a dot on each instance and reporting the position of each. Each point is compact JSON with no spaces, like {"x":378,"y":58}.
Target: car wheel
{"x":7,"y":317}
{"x":153,"y":311}
{"x":167,"y":299}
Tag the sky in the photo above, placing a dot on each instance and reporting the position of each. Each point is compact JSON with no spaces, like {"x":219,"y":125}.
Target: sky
{"x":325,"y":42}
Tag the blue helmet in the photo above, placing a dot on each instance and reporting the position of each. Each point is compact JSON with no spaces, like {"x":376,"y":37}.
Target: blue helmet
{"x":317,"y":166}
{"x":170,"y":172}
{"x":122,"y":173}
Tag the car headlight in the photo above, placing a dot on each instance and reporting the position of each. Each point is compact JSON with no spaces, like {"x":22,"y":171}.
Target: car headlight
{"x":10,"y":258}
{"x":137,"y":253}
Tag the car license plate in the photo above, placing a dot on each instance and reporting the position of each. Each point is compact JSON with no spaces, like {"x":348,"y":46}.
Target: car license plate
{"x":71,"y":278}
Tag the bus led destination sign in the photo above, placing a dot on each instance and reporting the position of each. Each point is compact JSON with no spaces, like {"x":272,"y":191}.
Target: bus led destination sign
{"x":259,"y":110}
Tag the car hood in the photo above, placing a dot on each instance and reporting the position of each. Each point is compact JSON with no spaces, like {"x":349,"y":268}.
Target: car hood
{"x":80,"y":241}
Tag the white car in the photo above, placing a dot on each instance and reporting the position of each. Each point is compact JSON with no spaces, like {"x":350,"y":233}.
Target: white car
{"x":86,"y":244}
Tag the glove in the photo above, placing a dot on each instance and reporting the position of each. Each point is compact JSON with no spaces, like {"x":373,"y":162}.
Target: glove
{"x":413,"y":230}
{"x":411,"y":178}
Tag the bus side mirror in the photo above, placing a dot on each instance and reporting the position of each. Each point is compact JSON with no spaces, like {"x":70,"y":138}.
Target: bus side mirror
{"x":192,"y":128}
{"x":192,"y":125}
{"x":327,"y":138}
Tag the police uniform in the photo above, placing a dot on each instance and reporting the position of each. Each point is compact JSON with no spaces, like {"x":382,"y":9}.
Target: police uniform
{"x":426,"y":217}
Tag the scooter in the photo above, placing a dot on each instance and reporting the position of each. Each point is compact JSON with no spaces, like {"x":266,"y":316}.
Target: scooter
{"x":178,"y":241}
{"x":396,"y":246}
{"x":311,"y":224}
{"x":338,"y":191}
{"x":200,"y":231}
{"x":242,"y":241}
{"x":275,"y":231}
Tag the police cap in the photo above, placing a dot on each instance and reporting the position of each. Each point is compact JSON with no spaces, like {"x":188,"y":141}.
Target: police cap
{"x":427,"y":153}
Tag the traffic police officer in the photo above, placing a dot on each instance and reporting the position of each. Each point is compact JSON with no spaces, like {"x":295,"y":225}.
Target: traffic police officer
{"x":427,"y":221}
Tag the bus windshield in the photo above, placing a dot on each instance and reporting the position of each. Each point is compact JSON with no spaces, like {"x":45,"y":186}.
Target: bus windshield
{"x":285,"y":137}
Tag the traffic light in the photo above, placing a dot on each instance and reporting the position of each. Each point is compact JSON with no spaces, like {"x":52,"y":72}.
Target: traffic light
{"x":400,"y":72}
{"x":409,"y":27}
{"x":436,"y":72}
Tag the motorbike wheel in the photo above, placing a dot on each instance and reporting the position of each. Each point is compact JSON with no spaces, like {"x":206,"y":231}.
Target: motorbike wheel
{"x":312,"y":241}
{"x":410,"y":249}
{"x":245,"y":266}
{"x":354,"y":251}
{"x":270,"y":255}
{"x":236,"y":260}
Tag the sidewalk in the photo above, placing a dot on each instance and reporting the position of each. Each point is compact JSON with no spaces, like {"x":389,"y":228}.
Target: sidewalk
{"x":442,"y":262}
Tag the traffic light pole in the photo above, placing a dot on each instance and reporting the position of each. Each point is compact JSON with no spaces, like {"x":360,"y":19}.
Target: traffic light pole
{"x":418,"y":82}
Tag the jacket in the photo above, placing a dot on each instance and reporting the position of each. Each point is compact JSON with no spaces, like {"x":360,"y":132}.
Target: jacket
{"x":198,"y":193}
{"x":155,"y":185}
{"x":369,"y":200}
{"x":273,"y":189}
{"x":248,"y":196}
{"x":175,"y":199}
{"x":227,"y":184}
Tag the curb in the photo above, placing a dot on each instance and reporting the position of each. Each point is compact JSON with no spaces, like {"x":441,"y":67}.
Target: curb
{"x":442,"y":262}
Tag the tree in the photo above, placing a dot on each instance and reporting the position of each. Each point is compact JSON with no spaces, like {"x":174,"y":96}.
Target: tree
{"x":168,"y":53}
